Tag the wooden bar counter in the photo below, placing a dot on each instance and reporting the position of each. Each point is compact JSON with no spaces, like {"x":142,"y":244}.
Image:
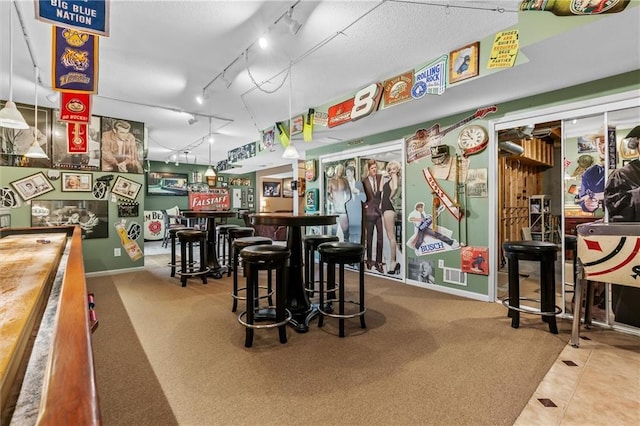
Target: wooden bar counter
{"x":43,"y":288}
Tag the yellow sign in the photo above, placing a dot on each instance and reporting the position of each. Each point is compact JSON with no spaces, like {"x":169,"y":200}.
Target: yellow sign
{"x":504,"y":50}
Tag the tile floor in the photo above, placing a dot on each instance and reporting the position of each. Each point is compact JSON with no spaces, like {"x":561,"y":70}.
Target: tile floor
{"x":595,"y":384}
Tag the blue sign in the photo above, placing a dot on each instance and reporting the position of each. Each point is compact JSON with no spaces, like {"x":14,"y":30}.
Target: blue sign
{"x":91,"y":16}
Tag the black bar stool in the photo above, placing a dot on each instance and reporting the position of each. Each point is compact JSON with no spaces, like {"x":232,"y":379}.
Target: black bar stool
{"x":232,"y":234}
{"x":340,"y":254}
{"x":188,"y":267}
{"x":221,"y":235}
{"x":172,"y":237}
{"x":238,"y":245}
{"x":545,"y":253}
{"x":257,"y":258}
{"x":311,"y":243}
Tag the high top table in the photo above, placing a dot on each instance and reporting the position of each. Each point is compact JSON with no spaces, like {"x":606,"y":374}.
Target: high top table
{"x":216,"y":270}
{"x":297,"y":299}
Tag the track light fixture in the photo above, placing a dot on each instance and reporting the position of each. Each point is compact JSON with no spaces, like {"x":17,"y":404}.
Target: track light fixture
{"x":294,"y":26}
{"x":193,"y":120}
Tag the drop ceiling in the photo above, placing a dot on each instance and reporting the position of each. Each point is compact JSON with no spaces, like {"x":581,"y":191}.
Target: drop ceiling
{"x":161,"y":54}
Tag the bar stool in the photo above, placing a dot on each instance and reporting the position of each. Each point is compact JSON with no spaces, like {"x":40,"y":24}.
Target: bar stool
{"x":232,"y":234}
{"x":172,"y":237}
{"x":238,"y":245}
{"x":221,"y":235}
{"x":257,"y":258}
{"x":311,"y":243}
{"x":188,"y":267}
{"x":545,"y":253}
{"x":340,"y":254}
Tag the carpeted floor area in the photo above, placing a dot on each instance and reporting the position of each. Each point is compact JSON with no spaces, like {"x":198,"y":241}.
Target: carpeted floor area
{"x":425,"y":358}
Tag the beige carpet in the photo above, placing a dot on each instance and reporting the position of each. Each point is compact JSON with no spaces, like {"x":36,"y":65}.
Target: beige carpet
{"x":425,"y":358}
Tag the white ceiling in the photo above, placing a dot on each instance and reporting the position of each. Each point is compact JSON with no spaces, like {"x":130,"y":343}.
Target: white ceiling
{"x":161,"y":54}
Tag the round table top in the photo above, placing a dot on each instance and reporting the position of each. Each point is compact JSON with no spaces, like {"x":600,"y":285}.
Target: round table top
{"x":207,"y":213}
{"x":289,"y":219}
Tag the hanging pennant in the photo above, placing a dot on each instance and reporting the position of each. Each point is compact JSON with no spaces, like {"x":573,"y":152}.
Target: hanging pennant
{"x":75,"y":107}
{"x":282,"y":134}
{"x":307,"y":130}
{"x":74,"y":61}
{"x":77,"y":139}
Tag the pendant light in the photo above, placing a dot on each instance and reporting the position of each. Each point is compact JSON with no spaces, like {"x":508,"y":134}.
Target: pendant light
{"x":9,"y":115}
{"x":35,"y":151}
{"x":210,"y":172}
{"x":290,"y":152}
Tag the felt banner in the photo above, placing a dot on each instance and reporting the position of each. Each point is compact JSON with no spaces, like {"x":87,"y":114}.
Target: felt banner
{"x":75,"y":107}
{"x":77,"y":138}
{"x":88,"y":16}
{"x":74,"y":62}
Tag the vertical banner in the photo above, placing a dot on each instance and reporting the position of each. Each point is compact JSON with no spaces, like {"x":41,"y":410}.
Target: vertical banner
{"x":77,"y":138}
{"x":75,"y":107}
{"x":74,"y":62}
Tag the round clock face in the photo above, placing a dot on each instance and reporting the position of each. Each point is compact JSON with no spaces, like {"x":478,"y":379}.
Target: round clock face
{"x":473,"y":139}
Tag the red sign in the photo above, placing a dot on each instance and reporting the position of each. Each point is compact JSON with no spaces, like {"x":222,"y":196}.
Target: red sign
{"x":340,"y":113}
{"x":77,"y":138}
{"x":75,"y":107}
{"x":215,"y":199}
{"x":475,"y":260}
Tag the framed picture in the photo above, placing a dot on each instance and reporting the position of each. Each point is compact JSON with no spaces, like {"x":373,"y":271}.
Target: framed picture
{"x":63,"y":158}
{"x":287,"y":190}
{"x":271,"y":189}
{"x":5,"y":220}
{"x":626,"y":151}
{"x":126,"y":188}
{"x":165,"y":183}
{"x":91,"y":215}
{"x":77,"y":182}
{"x":212,"y":181}
{"x":297,"y":124}
{"x":122,"y":145}
{"x":32,"y":186}
{"x":464,"y":63}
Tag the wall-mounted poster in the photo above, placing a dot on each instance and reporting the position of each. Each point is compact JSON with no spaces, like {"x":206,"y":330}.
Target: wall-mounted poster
{"x":475,"y":260}
{"x":91,"y":215}
{"x":14,"y":143}
{"x":122,"y":145}
{"x":287,"y":190}
{"x":166,"y":183}
{"x":32,"y":186}
{"x":63,"y":158}
{"x":271,"y":189}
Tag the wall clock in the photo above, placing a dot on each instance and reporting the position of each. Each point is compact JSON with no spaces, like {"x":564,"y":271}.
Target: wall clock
{"x":473,"y":139}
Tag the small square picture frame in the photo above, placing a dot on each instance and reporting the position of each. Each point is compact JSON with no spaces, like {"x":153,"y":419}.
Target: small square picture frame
{"x":32,"y":186}
{"x":464,"y":62}
{"x":76,"y":182}
{"x":126,"y":188}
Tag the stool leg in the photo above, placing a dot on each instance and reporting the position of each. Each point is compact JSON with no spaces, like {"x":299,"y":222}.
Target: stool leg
{"x":362,"y":323}
{"x":173,"y":255}
{"x":183,"y":263}
{"x":252,"y":280}
{"x":203,"y":259}
{"x":270,"y":287}
{"x":280,"y":302}
{"x":227,"y":262}
{"x":235,"y":282}
{"x":514,"y":292}
{"x":312,"y":272}
{"x":548,"y":292}
{"x":321,"y":293}
{"x":341,"y":298}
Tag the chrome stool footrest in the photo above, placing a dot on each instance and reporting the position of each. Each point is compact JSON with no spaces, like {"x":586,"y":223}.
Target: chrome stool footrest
{"x":287,"y":318}
{"x":263,"y":287}
{"x":531,"y":310}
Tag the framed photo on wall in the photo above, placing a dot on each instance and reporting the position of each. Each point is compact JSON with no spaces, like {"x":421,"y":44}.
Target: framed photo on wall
{"x":126,"y":188}
{"x":32,"y":186}
{"x":287,"y":190}
{"x":464,"y":62}
{"x":271,"y":189}
{"x":77,"y":182}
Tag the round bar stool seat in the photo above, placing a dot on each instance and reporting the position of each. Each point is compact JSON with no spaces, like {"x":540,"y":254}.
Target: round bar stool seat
{"x":238,"y":245}
{"x":172,"y":237}
{"x":221,"y":235}
{"x":545,"y":253}
{"x":188,"y":267}
{"x":311,"y":243}
{"x":340,"y":254}
{"x":265,"y":257}
{"x":232,"y":234}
